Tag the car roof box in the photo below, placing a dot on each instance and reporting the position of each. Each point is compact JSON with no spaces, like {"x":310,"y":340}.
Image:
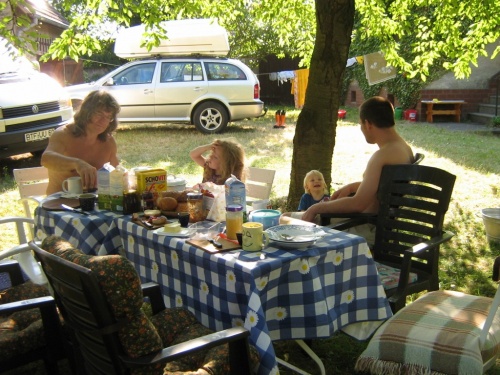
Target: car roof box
{"x":184,"y":37}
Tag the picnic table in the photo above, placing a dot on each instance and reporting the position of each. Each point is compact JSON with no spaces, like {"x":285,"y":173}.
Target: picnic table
{"x":443,"y":107}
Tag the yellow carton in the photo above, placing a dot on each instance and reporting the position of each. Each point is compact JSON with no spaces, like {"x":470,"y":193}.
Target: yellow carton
{"x":153,"y":180}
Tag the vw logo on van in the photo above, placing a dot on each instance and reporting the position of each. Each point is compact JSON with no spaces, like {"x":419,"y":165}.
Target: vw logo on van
{"x":34,"y":109}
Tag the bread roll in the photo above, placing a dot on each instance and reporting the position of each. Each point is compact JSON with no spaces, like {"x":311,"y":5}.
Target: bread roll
{"x":160,"y":220}
{"x":171,"y":194}
{"x":166,"y":203}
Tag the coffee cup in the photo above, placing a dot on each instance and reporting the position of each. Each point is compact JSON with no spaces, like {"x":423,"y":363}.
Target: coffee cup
{"x":87,"y":201}
{"x":254,"y":237}
{"x":183,"y":219}
{"x":73,"y":185}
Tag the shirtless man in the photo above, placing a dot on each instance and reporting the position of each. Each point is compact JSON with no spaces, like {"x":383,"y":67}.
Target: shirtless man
{"x":84,"y":146}
{"x":377,"y":124}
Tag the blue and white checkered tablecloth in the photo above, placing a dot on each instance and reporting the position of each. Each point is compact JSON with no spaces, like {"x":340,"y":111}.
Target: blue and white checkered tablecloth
{"x":276,"y":294}
{"x":93,"y":234}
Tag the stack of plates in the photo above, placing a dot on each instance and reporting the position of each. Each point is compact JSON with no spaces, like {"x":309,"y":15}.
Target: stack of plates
{"x":294,"y":236}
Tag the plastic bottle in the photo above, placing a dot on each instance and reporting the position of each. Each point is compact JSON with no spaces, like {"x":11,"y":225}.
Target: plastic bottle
{"x":236,"y":193}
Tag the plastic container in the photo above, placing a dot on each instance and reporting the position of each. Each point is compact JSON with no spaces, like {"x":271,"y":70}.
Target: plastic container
{"x":195,"y":207}
{"x":398,"y":113}
{"x":175,"y":183}
{"x":234,"y":220}
{"x":268,"y":218}
{"x":491,"y":220}
{"x":341,"y":113}
{"x":411,"y":115}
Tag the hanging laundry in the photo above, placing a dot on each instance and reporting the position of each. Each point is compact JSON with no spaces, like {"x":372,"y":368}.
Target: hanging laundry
{"x":285,"y":76}
{"x":376,"y":68}
{"x":299,"y":86}
{"x":273,"y":76}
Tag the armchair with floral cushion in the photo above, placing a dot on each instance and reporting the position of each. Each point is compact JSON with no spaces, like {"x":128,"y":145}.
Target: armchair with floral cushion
{"x":101,"y":299}
{"x":30,"y":329}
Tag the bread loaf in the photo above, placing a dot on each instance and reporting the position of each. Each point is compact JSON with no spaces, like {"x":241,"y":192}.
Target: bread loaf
{"x":166,"y":203}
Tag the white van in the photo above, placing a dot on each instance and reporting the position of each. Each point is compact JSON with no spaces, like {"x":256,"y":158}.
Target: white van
{"x":32,"y":104}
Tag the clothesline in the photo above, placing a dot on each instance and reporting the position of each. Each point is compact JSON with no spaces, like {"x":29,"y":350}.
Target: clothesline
{"x":376,"y":70}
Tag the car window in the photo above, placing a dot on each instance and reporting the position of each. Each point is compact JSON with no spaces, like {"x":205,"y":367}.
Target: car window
{"x":137,"y":74}
{"x":220,"y":71}
{"x":181,"y":71}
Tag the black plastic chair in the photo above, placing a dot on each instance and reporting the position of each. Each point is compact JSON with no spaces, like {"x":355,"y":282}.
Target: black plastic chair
{"x":360,"y":217}
{"x":409,"y":227}
{"x":49,"y":348}
{"x":32,"y":331}
{"x":98,"y":333}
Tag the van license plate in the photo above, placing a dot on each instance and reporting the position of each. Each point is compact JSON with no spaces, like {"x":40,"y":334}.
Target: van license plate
{"x":38,"y":136}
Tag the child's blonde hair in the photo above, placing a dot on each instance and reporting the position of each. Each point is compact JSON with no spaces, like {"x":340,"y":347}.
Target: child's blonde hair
{"x":314,"y":172}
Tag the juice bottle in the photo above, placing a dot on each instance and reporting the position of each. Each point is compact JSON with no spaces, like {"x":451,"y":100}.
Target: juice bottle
{"x":234,"y":220}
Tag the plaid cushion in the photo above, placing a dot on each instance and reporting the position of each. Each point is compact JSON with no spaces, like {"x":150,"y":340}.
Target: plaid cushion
{"x":389,"y":276}
{"x":436,"y":334}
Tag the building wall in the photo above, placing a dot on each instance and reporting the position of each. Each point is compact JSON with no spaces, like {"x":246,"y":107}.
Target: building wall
{"x":472,"y":98}
{"x":355,"y":97}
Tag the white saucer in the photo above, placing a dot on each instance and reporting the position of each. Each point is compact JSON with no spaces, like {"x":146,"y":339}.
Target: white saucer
{"x":185,"y":232}
{"x":70,"y":195}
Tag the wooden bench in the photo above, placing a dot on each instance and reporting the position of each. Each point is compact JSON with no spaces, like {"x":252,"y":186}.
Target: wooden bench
{"x":442,"y":108}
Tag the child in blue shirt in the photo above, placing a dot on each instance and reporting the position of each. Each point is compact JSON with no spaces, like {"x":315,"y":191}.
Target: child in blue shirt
{"x":315,"y":190}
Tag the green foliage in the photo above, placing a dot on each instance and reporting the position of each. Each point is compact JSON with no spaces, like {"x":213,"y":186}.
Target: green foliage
{"x":449,"y":32}
{"x":404,"y":87}
{"x":495,"y":122}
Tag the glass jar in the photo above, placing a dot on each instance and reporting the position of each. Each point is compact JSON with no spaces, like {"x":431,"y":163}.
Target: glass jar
{"x":148,"y":201}
{"x":234,"y":220}
{"x":195,"y":207}
{"x":131,"y":202}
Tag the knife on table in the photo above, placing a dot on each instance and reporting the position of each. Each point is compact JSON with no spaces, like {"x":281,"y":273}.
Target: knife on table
{"x":68,"y":208}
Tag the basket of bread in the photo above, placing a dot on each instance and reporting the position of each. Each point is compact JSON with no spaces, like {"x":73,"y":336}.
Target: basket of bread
{"x":172,"y":202}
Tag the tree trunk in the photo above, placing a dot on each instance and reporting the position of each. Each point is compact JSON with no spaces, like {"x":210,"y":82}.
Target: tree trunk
{"x":315,"y":131}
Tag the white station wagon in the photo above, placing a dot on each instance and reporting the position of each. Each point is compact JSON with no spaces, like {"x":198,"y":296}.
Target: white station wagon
{"x":208,"y":92}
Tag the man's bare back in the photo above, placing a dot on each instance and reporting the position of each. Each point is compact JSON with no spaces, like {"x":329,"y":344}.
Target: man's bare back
{"x":378,"y":128}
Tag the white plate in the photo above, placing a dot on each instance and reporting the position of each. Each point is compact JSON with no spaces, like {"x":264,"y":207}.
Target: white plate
{"x":70,"y":195}
{"x":293,"y":245}
{"x":185,"y":232}
{"x":293,"y":234}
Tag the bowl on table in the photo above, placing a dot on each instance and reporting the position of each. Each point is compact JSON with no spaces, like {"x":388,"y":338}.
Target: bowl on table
{"x":294,"y":236}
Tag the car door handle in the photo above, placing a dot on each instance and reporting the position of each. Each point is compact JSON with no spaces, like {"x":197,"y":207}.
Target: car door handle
{"x":148,"y":91}
{"x":198,"y":88}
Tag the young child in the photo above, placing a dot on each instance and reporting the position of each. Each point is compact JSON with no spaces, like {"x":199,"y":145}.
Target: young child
{"x":315,"y":190}
{"x":226,"y":158}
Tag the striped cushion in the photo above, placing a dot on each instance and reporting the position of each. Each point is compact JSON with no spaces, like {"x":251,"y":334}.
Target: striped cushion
{"x":389,"y":276}
{"x":438,"y":333}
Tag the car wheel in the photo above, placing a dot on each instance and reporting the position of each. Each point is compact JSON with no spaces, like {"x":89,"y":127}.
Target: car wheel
{"x":210,"y":118}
